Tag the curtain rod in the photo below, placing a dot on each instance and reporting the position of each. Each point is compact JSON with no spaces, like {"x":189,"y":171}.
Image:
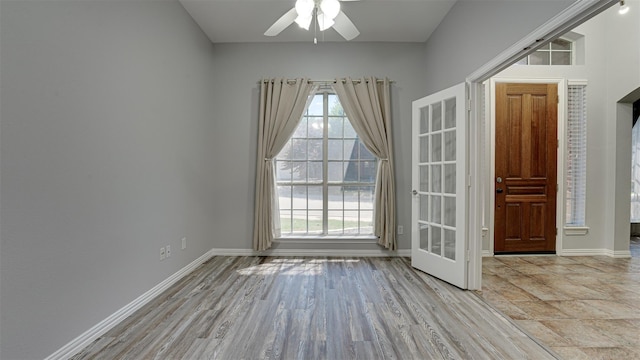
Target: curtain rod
{"x":322,"y":82}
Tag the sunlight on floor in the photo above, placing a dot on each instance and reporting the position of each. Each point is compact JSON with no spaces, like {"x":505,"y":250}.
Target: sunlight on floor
{"x":292,"y":267}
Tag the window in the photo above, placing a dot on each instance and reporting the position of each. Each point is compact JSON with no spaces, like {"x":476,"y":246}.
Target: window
{"x":325,"y":175}
{"x":576,"y":155}
{"x":557,"y":52}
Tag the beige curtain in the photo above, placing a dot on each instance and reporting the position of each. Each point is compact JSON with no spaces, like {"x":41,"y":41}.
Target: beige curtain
{"x":282,"y":103}
{"x":366,"y":103}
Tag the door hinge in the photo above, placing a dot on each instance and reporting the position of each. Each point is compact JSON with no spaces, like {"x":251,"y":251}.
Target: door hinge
{"x":468,"y":104}
{"x":556,"y":231}
{"x":468,"y":256}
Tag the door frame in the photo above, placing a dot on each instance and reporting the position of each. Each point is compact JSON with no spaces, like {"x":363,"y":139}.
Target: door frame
{"x":572,"y":16}
{"x":560,"y":153}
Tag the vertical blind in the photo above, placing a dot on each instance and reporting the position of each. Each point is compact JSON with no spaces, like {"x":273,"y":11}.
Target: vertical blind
{"x":576,"y":155}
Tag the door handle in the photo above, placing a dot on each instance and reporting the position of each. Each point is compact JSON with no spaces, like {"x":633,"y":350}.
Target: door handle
{"x":415,"y":192}
{"x":499,"y":190}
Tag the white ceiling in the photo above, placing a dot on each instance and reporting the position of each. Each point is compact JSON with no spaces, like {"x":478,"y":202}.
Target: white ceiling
{"x":233,"y":21}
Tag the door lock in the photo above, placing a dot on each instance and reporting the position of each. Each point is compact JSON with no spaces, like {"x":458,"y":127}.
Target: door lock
{"x":499,"y":190}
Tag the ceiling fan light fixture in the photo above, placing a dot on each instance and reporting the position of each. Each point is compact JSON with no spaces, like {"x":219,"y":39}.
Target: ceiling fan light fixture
{"x":330,"y":8}
{"x":304,"y":8}
{"x":304,"y":22}
{"x":324,"y":22}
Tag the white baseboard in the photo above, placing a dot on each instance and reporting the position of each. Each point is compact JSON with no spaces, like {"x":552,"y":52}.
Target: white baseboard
{"x":487,"y":253}
{"x":84,"y":340}
{"x":312,"y":252}
{"x":596,"y":252}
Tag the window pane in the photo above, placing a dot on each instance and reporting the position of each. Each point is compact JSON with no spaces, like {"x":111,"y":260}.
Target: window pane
{"x":450,"y":178}
{"x":350,"y":171}
{"x":424,"y":208}
{"x":350,"y":149}
{"x":539,"y":58}
{"x":561,"y":44}
{"x":284,"y":197}
{"x":366,"y":222}
{"x":314,"y":197}
{"x":424,"y":149}
{"x":424,"y":178}
{"x":334,"y":150}
{"x":299,"y":149}
{"x":436,"y":210}
{"x":335,"y":222}
{"x":299,"y":169}
{"x":335,"y":171}
{"x":315,"y":171}
{"x":436,"y":147}
{"x":317,"y":105}
{"x":335,"y":127}
{"x":436,"y":117}
{"x":436,"y":178}
{"x":366,"y":197}
{"x":299,"y":200}
{"x":560,"y":58}
{"x":450,"y":113}
{"x":315,"y":221}
{"x":450,"y":145}
{"x":299,"y":221}
{"x":351,"y":222}
{"x":285,"y":222}
{"x":449,"y":244}
{"x":436,"y":240}
{"x":315,"y":127}
{"x":424,"y":120}
{"x":450,"y":211}
{"x":314,"y":149}
{"x":335,"y":197}
{"x":283,"y":170}
{"x":424,"y":236}
{"x":351,"y":197}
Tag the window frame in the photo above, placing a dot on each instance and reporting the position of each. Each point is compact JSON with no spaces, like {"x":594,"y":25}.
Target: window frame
{"x":326,"y":236}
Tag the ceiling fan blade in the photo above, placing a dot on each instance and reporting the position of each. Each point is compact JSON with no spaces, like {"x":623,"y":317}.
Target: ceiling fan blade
{"x":285,"y":20}
{"x":345,"y":27}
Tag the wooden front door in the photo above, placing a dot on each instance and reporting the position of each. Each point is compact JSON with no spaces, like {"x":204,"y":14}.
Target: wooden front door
{"x":526,"y":154}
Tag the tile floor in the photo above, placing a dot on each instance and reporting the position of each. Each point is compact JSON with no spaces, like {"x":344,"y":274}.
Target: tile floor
{"x":579,"y":307}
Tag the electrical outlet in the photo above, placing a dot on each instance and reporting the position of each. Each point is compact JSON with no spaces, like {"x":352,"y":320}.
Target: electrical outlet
{"x":184,"y":243}
{"x":168,"y":251}
{"x":162,"y":253}
{"x":400,"y":229}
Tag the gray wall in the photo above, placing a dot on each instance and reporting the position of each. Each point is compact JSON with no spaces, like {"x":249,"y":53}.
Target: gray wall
{"x":476,"y":31}
{"x":236,"y":100}
{"x":106,"y":143}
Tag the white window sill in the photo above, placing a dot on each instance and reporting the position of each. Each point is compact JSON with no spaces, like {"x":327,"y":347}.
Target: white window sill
{"x":328,"y":239}
{"x":576,"y":230}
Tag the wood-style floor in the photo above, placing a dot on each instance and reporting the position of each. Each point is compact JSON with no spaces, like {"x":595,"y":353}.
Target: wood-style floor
{"x":314,"y":308}
{"x":581,"y":307}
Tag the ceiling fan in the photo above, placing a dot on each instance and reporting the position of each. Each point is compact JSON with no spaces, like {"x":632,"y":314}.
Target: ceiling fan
{"x":327,"y":14}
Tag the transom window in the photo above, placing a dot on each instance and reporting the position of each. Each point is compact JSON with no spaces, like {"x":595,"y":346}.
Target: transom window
{"x":557,"y":52}
{"x":325,"y":175}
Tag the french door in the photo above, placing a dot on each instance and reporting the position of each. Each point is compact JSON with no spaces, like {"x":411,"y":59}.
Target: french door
{"x":439,"y":173}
